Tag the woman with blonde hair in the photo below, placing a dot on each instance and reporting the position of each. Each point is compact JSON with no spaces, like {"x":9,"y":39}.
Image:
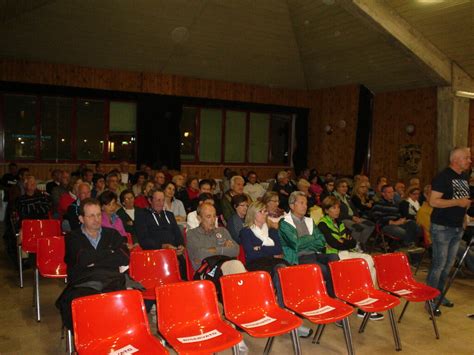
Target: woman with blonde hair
{"x":360,"y":197}
{"x":263,"y":249}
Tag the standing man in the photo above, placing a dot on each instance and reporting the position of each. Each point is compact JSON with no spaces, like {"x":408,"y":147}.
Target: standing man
{"x":450,"y":200}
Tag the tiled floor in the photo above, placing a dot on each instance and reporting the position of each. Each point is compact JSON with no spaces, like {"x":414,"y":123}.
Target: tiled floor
{"x":21,"y":334}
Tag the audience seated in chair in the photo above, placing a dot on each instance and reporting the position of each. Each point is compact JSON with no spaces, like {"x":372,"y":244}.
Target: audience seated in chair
{"x":157,"y":229}
{"x":387,"y":214}
{"x":302,"y":242}
{"x":95,"y":257}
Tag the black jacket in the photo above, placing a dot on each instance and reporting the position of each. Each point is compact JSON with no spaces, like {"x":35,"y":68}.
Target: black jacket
{"x":152,"y":235}
{"x":84,"y":262}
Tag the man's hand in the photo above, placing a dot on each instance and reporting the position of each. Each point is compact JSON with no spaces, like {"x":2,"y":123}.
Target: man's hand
{"x":283,"y":192}
{"x":180,"y":250}
{"x":228,"y":243}
{"x":464,"y":202}
{"x":168,"y":246}
{"x":356,"y":219}
{"x":279,"y":256}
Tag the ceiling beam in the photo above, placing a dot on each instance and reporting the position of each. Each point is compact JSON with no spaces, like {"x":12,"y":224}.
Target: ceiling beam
{"x":384,"y":19}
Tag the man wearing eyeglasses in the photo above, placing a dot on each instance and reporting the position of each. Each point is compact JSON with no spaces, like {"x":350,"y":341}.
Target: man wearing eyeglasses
{"x":95,"y":256}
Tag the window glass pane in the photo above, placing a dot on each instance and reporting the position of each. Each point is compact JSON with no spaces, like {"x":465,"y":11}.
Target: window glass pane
{"x":121,"y":146}
{"x":123,"y":116}
{"x":280,"y":133}
{"x":235,"y":131}
{"x":258,"y":137}
{"x":188,"y":133}
{"x":56,"y":116}
{"x":20,"y":127}
{"x":122,"y":128}
{"x":210,"y":135}
{"x":90,"y":129}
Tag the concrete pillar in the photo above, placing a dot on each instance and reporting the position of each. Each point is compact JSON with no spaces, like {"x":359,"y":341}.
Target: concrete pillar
{"x":453,"y":124}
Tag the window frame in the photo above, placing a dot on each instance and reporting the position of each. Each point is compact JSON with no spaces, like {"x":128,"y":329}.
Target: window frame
{"x":197,"y":127}
{"x":73,"y":144}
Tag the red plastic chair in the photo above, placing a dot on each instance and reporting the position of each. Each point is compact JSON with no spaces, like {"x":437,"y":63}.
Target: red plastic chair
{"x":154,"y":268}
{"x":114,"y":321}
{"x":31,"y":230}
{"x":241,"y":256}
{"x":49,"y":263}
{"x":249,"y":302}
{"x":353,"y":284}
{"x":190,"y":321}
{"x":304,"y":292}
{"x":394,"y":276}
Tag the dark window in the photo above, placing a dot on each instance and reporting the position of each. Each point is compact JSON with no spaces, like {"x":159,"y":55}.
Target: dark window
{"x":20,"y":126}
{"x":122,"y":127}
{"x":188,"y":133}
{"x":235,"y":137}
{"x":56,"y":122}
{"x":90,"y":129}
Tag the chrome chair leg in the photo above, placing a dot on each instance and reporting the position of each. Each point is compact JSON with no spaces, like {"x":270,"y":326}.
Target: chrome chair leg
{"x":268,"y":346}
{"x":37,"y":296}
{"x":403,"y":311}
{"x":348,"y":336}
{"x":320,"y":333}
{"x":20,"y":266}
{"x":296,"y":342}
{"x":433,"y":318}
{"x":235,"y":349}
{"x":396,"y":336}
{"x":364,"y":322}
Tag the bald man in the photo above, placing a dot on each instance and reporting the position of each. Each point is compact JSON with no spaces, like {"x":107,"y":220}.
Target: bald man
{"x":450,"y":200}
{"x":207,"y":239}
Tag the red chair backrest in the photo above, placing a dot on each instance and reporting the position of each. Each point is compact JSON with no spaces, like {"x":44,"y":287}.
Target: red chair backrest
{"x":247,"y":290}
{"x":108,"y":315}
{"x":301,"y":282}
{"x":183,"y":303}
{"x":391,"y":269}
{"x":350,"y":276}
{"x":50,"y":257}
{"x":154,"y":267}
{"x":33,"y":229}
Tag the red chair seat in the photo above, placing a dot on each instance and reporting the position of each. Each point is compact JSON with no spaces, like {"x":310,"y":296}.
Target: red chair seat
{"x":32,"y":229}
{"x":113,"y":321}
{"x":383,"y":301}
{"x":189,"y":319}
{"x":340,"y":311}
{"x":394,"y":275}
{"x":249,"y":298}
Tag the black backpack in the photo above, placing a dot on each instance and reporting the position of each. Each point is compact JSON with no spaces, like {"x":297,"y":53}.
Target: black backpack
{"x":210,"y":269}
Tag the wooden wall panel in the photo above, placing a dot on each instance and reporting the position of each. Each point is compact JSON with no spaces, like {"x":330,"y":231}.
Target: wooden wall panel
{"x":333,"y":152}
{"x":166,"y":84}
{"x":392,"y":112}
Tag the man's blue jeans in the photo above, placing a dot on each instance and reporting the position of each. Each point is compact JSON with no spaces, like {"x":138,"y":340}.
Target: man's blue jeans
{"x":445,"y":246}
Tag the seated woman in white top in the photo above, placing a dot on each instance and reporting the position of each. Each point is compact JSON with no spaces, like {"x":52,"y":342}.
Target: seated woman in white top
{"x":172,"y":204}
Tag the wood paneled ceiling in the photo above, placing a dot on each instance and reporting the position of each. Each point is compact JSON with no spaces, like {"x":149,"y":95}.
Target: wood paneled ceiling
{"x":305,"y":44}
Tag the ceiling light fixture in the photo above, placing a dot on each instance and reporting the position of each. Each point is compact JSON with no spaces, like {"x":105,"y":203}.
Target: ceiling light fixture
{"x":468,"y":94}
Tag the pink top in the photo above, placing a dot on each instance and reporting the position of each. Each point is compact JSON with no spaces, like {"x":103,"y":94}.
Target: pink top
{"x":116,"y":223}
